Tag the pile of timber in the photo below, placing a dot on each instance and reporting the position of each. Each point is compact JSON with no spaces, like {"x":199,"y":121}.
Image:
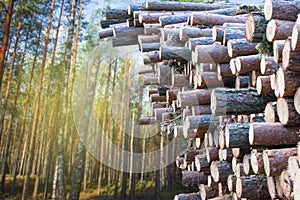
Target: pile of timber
{"x":232,"y":75}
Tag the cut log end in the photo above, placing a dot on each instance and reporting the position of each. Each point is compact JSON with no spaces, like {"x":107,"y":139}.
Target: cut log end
{"x":250,"y":27}
{"x":297,"y":101}
{"x":268,"y":9}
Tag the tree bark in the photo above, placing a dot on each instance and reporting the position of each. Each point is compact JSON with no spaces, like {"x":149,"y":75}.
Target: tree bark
{"x":268,"y":66}
{"x":212,"y":154}
{"x":297,"y":100}
{"x":295,"y":43}
{"x":263,"y":85}
{"x":190,"y":196}
{"x":193,"y":178}
{"x":193,"y":42}
{"x":211,"y":54}
{"x":215,"y":19}
{"x":290,"y":59}
{"x":245,"y":186}
{"x":176,"y":53}
{"x":237,"y":135}
{"x":207,"y":192}
{"x":241,"y":47}
{"x":278,"y":9}
{"x":220,"y":170}
{"x":173,"y":19}
{"x":257,"y":162}
{"x":246,"y":64}
{"x":279,"y":29}
{"x":287,"y":113}
{"x":247,"y":164}
{"x":193,"y":98}
{"x":255,"y":27}
{"x":192,"y":32}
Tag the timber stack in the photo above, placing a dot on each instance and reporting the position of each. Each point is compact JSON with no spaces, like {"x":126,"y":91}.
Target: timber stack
{"x":231,"y":79}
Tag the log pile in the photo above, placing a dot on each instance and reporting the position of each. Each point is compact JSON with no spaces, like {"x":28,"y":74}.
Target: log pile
{"x":233,"y":81}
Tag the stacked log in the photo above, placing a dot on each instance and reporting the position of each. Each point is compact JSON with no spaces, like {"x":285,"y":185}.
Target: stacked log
{"x":229,"y":85}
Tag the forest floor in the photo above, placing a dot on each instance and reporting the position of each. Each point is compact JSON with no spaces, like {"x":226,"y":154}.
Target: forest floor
{"x":147,"y":192}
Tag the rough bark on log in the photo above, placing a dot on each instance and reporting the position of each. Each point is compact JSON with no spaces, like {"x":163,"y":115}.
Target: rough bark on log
{"x":178,"y":132}
{"x":268,"y":66}
{"x":150,"y":80}
{"x":193,"y":32}
{"x":207,"y":192}
{"x":146,"y":70}
{"x":225,"y":154}
{"x":111,"y":13}
{"x":215,"y":19}
{"x":127,"y":31}
{"x":193,"y":178}
{"x":272,"y":187}
{"x":276,"y":160}
{"x":186,"y":112}
{"x":193,"y":97}
{"x":287,"y":83}
{"x":202,"y":164}
{"x":237,"y":135}
{"x":297,"y":101}
{"x":136,"y":7}
{"x":209,"y":80}
{"x":245,"y":64}
{"x":242,"y":82}
{"x":150,"y":29}
{"x":179,"y":80}
{"x":221,"y":140}
{"x":109,"y":22}
{"x":255,"y":27}
{"x":164,"y":75}
{"x":232,"y":64}
{"x":231,"y":182}
{"x":171,"y":95}
{"x":263,"y":85}
{"x":218,"y":33}
{"x":270,"y":112}
{"x":211,"y":54}
{"x":158,"y":112}
{"x":278,"y":9}
{"x":224,"y":197}
{"x":257,"y":162}
{"x":190,"y":196}
{"x":189,"y":155}
{"x":202,"y":123}
{"x":225,"y":100}
{"x":148,"y":39}
{"x":147,"y":120}
{"x":231,"y":33}
{"x":146,"y":47}
{"x":290,"y":59}
{"x":287,"y":113}
{"x":297,"y":185}
{"x":176,"y":53}
{"x":273,"y":134}
{"x":220,"y":170}
{"x":224,"y":71}
{"x":152,"y":91}
{"x":124,"y":41}
{"x":239,"y":171}
{"x":173,"y":19}
{"x":241,"y":47}
{"x":279,"y":29}
{"x":105,"y":33}
{"x":152,"y":57}
{"x":182,"y":6}
{"x":201,"y":109}
{"x":246,"y":185}
{"x":193,"y":42}
{"x":212,"y":154}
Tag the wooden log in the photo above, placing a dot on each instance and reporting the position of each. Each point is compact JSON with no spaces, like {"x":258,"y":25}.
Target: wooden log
{"x":193,"y":178}
{"x":171,"y":95}
{"x":127,"y":31}
{"x":247,"y":164}
{"x":242,"y":82}
{"x":293,"y":167}
{"x":278,"y":9}
{"x":211,"y":54}
{"x":178,"y":132}
{"x":156,"y":98}
{"x":215,"y":19}
{"x":207,"y":192}
{"x":273,"y":134}
{"x":173,"y":19}
{"x":232,"y":64}
{"x":150,"y":29}
{"x":231,"y":182}
{"x":276,"y":160}
{"x":263,"y":85}
{"x":164,"y":75}
{"x":179,"y":80}
{"x":150,"y":80}
{"x":212,"y":154}
{"x":237,"y":135}
{"x":186,"y":112}
{"x":287,"y":113}
{"x":220,"y":170}
{"x":124,"y":41}
{"x":225,"y":100}
{"x":297,"y":101}
{"x":189,"y":155}
{"x":108,"y":22}
{"x":193,"y":42}
{"x":246,"y":185}
{"x":279,"y":29}
{"x":192,"y":32}
{"x":146,"y":47}
{"x":182,"y":6}
{"x":152,"y":91}
{"x":241,"y":47}
{"x":287,"y":82}
{"x":224,"y":71}
{"x":189,"y":196}
{"x":148,"y":38}
{"x":113,"y":13}
{"x":290,"y":59}
{"x":246,"y":64}
{"x":201,"y":109}
{"x":146,"y":70}
{"x":193,"y":98}
{"x":286,"y":184}
{"x":105,"y":33}
{"x":202,"y":164}
{"x":158,"y":112}
{"x":224,"y":197}
{"x":202,"y":123}
{"x":136,"y":7}
{"x":176,"y":53}
{"x":272,"y":187}
{"x":239,"y":171}
{"x":209,"y":80}
{"x":257,"y":162}
{"x":218,"y":33}
{"x":277,"y":50}
{"x":270,"y":112}
{"x":255,"y":30}
{"x":268,"y":66}
{"x":152,"y":57}
{"x":295,"y":42}
{"x":147,"y":120}
{"x":231,"y":33}
{"x":225,"y":154}
{"x":296,"y":185}
{"x":221,"y":140}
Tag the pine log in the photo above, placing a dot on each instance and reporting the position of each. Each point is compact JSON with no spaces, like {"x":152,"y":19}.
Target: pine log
{"x":295,"y":43}
{"x":290,"y":59}
{"x":176,"y":53}
{"x":268,"y":66}
{"x":193,"y":42}
{"x":273,"y":134}
{"x":136,"y":7}
{"x":293,"y":166}
{"x":111,"y":13}
{"x":247,"y":166}
{"x":150,"y":29}
{"x":297,"y":101}
{"x":225,"y":154}
{"x":147,"y":120}
{"x":242,"y":82}
{"x":207,"y":192}
{"x":218,"y":33}
{"x":202,"y":164}
{"x":164,"y":75}
{"x":277,"y":50}
{"x":190,"y":196}
{"x":178,"y":132}
{"x":150,"y":80}
{"x":257,"y":162}
{"x":270,"y":112}
{"x":276,"y":160}
{"x":193,"y":32}
{"x":297,"y":185}
{"x":238,"y":101}
{"x":272,"y":187}
{"x":173,"y":19}
{"x":105,"y":33}
{"x":239,"y":171}
{"x":148,"y":39}
{"x":245,"y":64}
{"x":152,"y":91}
{"x":231,"y":182}
{"x":278,"y":9}
{"x":287,"y":82}
{"x":201,"y":109}
{"x":211,"y":54}
{"x":255,"y":27}
{"x":212,"y":154}
{"x":223,"y":197}
{"x":127,"y":31}
{"x":158,"y":112}
{"x":146,"y":70}
{"x":193,"y":178}
{"x":220,"y":170}
{"x":182,"y":6}
{"x":215,"y":19}
{"x":286,"y":185}
{"x":263,"y":85}
{"x":231,"y":33}
{"x":221,"y":140}
{"x":193,"y":98}
{"x":152,"y":57}
{"x":224,"y":71}
{"x":241,"y":47}
{"x":156,"y":98}
{"x":186,"y":112}
{"x":247,"y":187}
{"x":287,"y":113}
{"x":179,"y":80}
{"x":171,"y":95}
{"x":146,"y":47}
{"x":108,"y":22}
{"x":124,"y":41}
{"x":209,"y":80}
{"x":202,"y":123}
{"x":189,"y":155}
{"x":237,"y":135}
{"x":279,"y":29}
{"x":232,"y":64}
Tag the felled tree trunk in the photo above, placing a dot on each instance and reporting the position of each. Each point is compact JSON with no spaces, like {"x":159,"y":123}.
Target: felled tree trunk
{"x":237,"y":135}
{"x":241,"y":47}
{"x":193,"y":42}
{"x":297,"y":101}
{"x":192,"y":32}
{"x":255,"y":27}
{"x":176,"y":53}
{"x":287,"y":113}
{"x":246,"y":185}
{"x":215,"y":19}
{"x":263,"y":85}
{"x":190,"y":196}
{"x":220,"y":170}
{"x":211,"y":54}
{"x":193,"y":178}
{"x":278,"y":9}
{"x":268,"y":66}
{"x":246,"y":64}
{"x":271,"y":113}
{"x":290,"y":59}
{"x":279,"y":29}
{"x":193,"y":98}
{"x":257,"y":162}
